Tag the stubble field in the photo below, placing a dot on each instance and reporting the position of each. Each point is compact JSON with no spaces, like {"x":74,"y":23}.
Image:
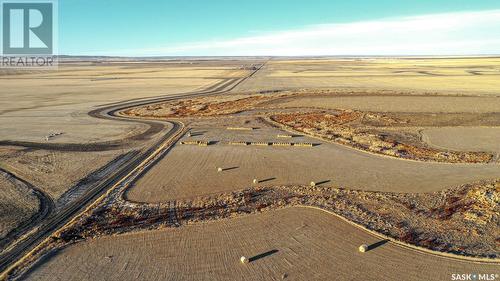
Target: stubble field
{"x":295,"y":244}
{"x":392,"y":127}
{"x":17,"y":205}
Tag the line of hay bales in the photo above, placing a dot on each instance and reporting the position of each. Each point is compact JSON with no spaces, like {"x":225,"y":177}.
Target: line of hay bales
{"x":239,"y":143}
{"x":305,"y":144}
{"x":281,"y":144}
{"x":240,"y":128}
{"x":259,"y":143}
{"x":284,"y":136}
{"x":301,"y":144}
{"x":199,"y":143}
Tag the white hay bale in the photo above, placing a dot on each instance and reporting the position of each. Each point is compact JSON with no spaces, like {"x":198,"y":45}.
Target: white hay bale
{"x":244,"y":260}
{"x":313,"y":183}
{"x":219,"y":169}
{"x":255,"y":181}
{"x":363,"y":248}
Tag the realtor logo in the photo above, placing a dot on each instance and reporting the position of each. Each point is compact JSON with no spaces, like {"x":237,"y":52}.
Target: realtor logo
{"x":28,"y":33}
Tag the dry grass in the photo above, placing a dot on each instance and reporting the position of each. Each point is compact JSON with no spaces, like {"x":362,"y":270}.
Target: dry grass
{"x":347,"y":127}
{"x":205,"y":106}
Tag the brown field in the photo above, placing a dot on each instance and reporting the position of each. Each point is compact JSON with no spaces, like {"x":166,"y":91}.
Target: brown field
{"x":64,"y":97}
{"x":54,"y":171}
{"x":416,"y":163}
{"x":192,"y":170}
{"x":444,"y":76}
{"x":413,"y":104}
{"x":61,"y":104}
{"x":464,"y":138}
{"x":305,"y":243}
{"x":460,"y":220}
{"x":17,"y":204}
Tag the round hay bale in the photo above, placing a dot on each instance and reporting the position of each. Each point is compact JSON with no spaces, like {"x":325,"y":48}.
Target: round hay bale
{"x":244,"y":260}
{"x":219,"y":169}
{"x":255,"y":181}
{"x":313,"y":183}
{"x":363,"y":248}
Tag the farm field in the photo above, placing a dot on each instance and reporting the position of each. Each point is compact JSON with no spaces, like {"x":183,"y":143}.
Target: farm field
{"x":17,"y":205}
{"x":408,"y":104}
{"x":300,"y":243}
{"x":172,"y":169}
{"x":54,"y":172}
{"x":55,"y":138}
{"x":464,"y":138}
{"x":190,"y":170}
{"x":421,"y":75}
{"x":49,"y":138}
{"x":257,"y":140}
{"x":64,"y":97}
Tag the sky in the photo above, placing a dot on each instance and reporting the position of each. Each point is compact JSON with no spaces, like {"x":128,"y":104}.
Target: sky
{"x":278,"y":27}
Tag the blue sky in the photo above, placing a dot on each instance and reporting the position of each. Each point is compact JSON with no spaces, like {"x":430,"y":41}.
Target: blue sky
{"x":278,"y":27}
